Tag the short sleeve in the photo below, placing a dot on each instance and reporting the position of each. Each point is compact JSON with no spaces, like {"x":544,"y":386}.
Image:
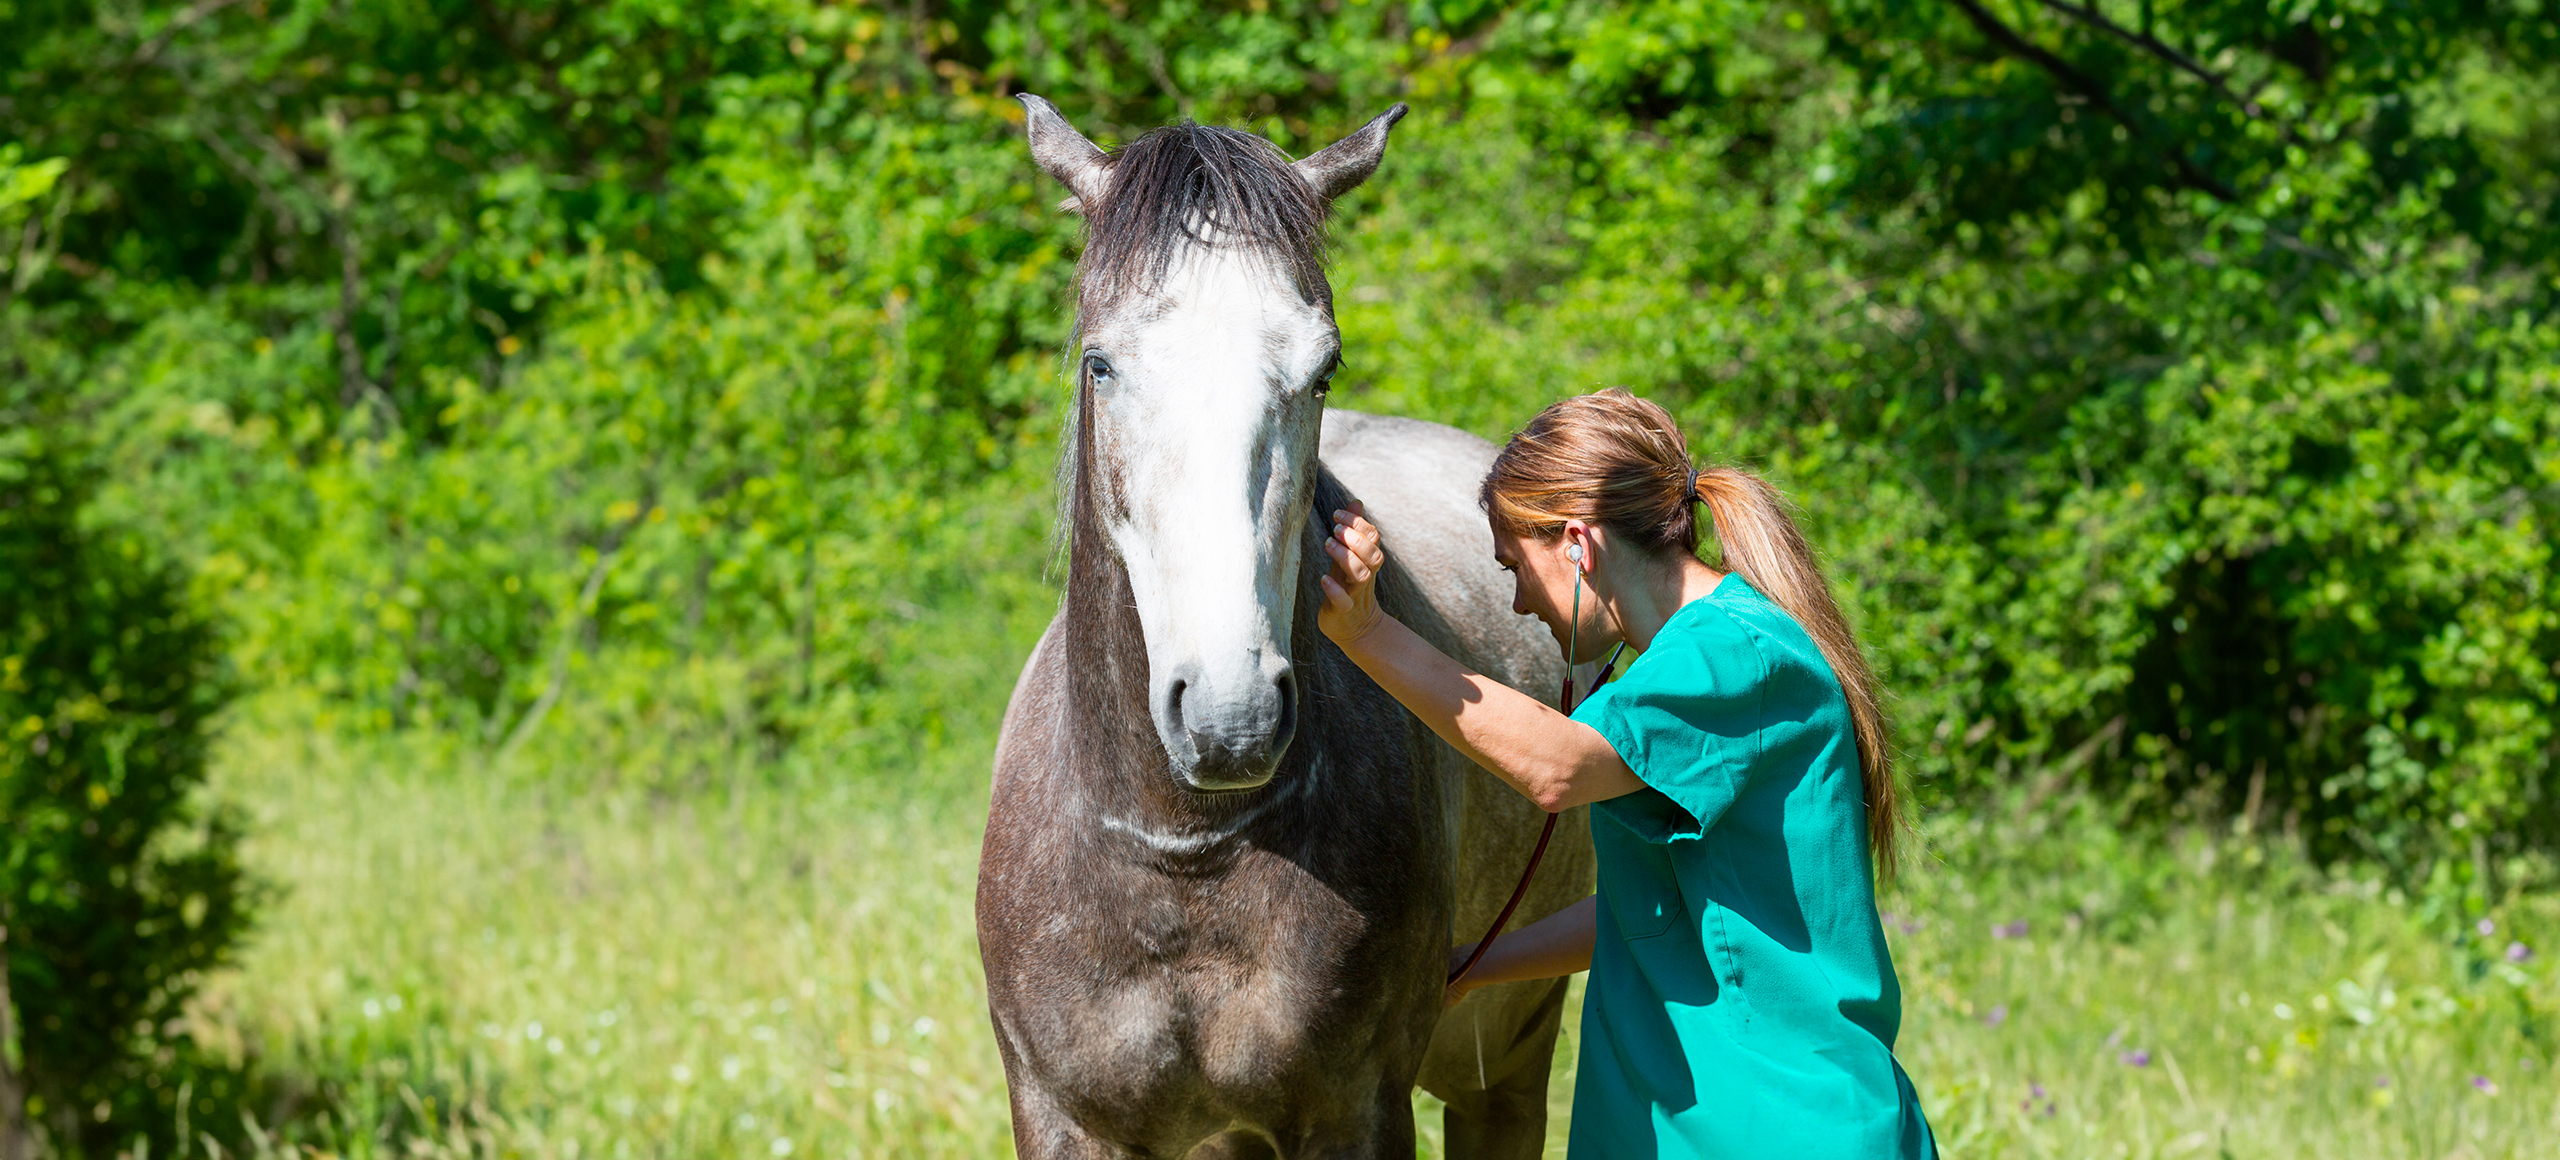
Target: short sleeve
{"x":1685,"y":718}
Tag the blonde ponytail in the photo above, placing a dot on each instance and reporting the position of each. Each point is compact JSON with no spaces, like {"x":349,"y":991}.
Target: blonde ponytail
{"x":1616,"y":460}
{"x":1759,"y":539}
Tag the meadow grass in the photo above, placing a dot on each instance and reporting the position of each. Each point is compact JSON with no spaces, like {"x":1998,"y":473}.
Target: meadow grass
{"x":2073,"y":992}
{"x":473,"y":965}
{"x":460,"y":964}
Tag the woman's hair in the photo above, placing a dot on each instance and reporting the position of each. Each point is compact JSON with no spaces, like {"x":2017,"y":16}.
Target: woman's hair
{"x":1618,"y":461}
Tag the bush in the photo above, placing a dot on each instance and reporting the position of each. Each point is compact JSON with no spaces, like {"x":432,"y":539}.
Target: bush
{"x":674,"y":385}
{"x":117,"y":890}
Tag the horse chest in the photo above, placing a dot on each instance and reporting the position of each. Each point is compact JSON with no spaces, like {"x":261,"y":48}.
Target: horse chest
{"x":1220,"y":986}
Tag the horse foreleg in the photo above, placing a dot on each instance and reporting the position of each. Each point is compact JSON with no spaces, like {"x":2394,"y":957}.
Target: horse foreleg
{"x":1043,"y":1131}
{"x":1507,"y":1120}
{"x":1386,"y":1133}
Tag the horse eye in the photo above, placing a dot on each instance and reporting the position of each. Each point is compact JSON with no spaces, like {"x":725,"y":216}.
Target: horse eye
{"x":1324,"y":381}
{"x":1097,"y":367}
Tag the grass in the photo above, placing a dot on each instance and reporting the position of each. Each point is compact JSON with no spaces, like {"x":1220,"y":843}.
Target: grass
{"x":474,"y":968}
{"x":463,"y":966}
{"x":2072,"y":993}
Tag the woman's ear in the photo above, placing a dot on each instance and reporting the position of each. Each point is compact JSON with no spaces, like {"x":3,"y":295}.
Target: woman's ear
{"x":1577,"y":545}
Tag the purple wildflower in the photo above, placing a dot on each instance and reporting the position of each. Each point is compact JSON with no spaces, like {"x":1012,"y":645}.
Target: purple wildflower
{"x":2135,"y":1058}
{"x":2484,"y":1085}
{"x":2035,"y":1089}
{"x":2518,"y":952}
{"x":2382,"y":1081}
{"x":1998,"y":1015}
{"x":2487,"y":928}
{"x":2017,"y":929}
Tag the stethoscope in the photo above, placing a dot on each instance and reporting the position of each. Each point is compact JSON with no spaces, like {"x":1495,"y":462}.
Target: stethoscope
{"x":1573,"y":648}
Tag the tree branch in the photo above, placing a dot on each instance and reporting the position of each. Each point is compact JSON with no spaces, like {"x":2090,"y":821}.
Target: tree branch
{"x":243,"y":166}
{"x":579,"y":614}
{"x":355,"y":389}
{"x":2008,"y":38}
{"x":2144,"y":40}
{"x":15,"y":1142}
{"x":193,"y":14}
{"x":39,"y":243}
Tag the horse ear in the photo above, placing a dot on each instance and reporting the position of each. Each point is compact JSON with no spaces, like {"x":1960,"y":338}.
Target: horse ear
{"x":1063,"y":153}
{"x":1339,"y":168}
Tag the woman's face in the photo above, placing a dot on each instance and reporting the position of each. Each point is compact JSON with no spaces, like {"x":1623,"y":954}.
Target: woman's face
{"x":1542,"y":586}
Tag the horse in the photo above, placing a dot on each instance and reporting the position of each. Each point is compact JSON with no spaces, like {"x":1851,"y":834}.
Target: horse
{"x":1222,"y":869}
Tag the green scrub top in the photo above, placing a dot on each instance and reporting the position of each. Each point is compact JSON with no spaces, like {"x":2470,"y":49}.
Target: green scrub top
{"x":1742,"y":1001}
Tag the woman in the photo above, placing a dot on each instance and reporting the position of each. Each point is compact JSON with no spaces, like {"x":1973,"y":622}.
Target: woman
{"x":1742,"y":1001}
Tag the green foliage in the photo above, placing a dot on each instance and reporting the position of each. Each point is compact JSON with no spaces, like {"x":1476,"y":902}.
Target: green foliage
{"x":2232,"y":496}
{"x":2172,"y":384}
{"x":117,"y":891}
{"x":714,"y":513}
{"x":2244,"y":319}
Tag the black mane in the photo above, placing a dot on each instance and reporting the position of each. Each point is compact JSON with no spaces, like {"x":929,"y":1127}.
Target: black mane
{"x":1172,"y":184}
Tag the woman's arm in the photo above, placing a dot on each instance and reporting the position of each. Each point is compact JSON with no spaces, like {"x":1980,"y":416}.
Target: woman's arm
{"x":1552,"y":759}
{"x":1559,"y":944}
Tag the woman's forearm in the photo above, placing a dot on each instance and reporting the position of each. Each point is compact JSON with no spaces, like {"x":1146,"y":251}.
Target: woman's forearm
{"x":1557,"y":945}
{"x":1556,"y":761}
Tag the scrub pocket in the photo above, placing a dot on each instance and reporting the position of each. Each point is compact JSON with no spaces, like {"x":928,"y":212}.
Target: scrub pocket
{"x":1633,"y":836}
{"x":1638,"y":887}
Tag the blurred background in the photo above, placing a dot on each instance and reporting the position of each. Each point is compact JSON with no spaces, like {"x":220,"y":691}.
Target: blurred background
{"x":517,"y":521}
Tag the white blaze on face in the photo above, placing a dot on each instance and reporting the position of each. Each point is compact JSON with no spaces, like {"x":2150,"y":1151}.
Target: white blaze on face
{"x":1205,"y":425}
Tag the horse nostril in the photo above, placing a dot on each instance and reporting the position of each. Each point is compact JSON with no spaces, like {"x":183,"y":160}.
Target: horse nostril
{"x":1182,"y":742}
{"x":1288,"y":724}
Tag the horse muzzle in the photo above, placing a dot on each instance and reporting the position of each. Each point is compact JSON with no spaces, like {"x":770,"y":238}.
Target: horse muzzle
{"x":1227,"y":735}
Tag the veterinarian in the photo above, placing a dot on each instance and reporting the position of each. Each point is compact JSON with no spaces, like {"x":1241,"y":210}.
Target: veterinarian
{"x":1742,"y":1001}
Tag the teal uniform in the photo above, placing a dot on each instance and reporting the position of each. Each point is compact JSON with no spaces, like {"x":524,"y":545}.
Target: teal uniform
{"x":1742,"y":1001}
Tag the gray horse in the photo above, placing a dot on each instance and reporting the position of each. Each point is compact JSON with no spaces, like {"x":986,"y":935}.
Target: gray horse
{"x":1223,"y":869}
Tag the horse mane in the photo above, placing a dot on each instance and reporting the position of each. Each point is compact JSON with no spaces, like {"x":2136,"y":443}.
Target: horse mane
{"x":1189,"y":184}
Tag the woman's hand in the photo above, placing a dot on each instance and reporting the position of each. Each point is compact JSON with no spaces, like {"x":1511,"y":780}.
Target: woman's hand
{"x":1456,"y":990}
{"x":1350,"y":590}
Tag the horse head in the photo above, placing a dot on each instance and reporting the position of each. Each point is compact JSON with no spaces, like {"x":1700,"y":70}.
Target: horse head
{"x":1207,"y":342}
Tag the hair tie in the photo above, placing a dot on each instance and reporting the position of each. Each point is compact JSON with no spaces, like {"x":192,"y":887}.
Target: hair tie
{"x":1691,"y":494}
